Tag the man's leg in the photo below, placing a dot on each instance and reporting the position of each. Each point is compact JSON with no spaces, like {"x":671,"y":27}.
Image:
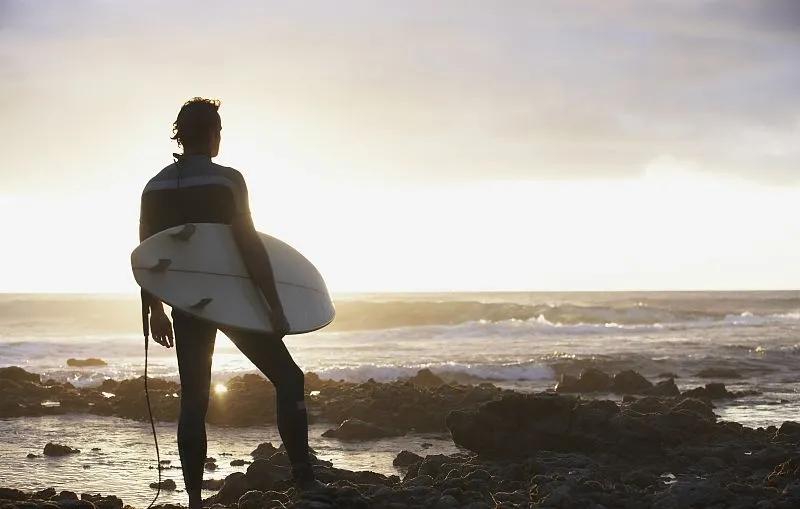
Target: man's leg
{"x":270,"y":356}
{"x":194,"y":344}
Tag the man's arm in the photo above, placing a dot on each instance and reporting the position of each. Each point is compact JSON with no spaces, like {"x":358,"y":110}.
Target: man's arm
{"x":148,"y":300}
{"x":256,"y":259}
{"x":159,"y":324}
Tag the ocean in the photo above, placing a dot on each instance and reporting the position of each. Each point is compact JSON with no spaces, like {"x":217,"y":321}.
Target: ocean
{"x":518,"y":340}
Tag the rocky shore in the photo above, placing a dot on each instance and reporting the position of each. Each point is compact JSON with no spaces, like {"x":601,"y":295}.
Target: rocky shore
{"x":420,"y":403}
{"x":652,"y":446}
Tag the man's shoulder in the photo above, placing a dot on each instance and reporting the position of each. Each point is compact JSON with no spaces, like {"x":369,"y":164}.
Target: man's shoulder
{"x":166,"y":173}
{"x":227,"y":171}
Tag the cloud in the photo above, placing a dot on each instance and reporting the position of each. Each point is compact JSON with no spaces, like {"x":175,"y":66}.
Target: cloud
{"x":414,"y":90}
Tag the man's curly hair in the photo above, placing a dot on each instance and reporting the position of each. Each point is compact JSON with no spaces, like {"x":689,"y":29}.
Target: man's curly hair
{"x":197,"y":118}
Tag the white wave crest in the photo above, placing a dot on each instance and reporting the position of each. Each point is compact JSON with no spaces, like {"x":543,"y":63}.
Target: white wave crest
{"x":492,"y":372}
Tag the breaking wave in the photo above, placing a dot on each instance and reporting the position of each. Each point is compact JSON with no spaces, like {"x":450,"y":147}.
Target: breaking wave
{"x":525,"y":371}
{"x":363,"y":315}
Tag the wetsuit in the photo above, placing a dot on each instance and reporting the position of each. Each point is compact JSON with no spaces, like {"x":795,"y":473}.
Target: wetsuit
{"x":195,"y":190}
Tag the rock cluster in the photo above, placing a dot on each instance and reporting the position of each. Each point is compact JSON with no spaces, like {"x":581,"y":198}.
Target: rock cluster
{"x":538,"y":450}
{"x":420,"y":403}
{"x":631,"y":382}
{"x":51,"y":499}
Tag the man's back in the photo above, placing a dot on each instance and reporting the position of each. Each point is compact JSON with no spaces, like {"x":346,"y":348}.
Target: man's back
{"x":192,"y":190}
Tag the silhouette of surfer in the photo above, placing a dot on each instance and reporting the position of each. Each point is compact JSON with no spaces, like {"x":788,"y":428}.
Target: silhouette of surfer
{"x":194,"y":189}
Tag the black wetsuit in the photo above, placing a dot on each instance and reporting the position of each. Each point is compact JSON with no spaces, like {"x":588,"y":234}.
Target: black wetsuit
{"x":196,"y":190}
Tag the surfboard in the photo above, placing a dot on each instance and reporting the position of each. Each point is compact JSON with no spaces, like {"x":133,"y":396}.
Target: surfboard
{"x":197,"y":268}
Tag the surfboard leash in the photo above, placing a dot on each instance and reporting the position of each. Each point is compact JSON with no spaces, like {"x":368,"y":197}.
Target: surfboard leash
{"x":146,"y":330}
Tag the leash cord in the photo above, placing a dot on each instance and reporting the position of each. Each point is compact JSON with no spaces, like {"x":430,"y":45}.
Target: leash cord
{"x":152,"y":425}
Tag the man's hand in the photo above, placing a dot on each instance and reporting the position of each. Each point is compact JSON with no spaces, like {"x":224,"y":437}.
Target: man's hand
{"x":161,"y":328}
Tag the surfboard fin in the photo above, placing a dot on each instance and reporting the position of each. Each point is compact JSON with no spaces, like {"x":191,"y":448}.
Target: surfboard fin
{"x":161,"y":266}
{"x":185,"y":233}
{"x":200,"y":304}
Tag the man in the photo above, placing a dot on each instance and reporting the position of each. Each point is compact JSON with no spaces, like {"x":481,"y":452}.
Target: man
{"x":195,"y":190}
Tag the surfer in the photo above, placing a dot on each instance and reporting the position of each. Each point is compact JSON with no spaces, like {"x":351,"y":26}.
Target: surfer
{"x":194,"y":189}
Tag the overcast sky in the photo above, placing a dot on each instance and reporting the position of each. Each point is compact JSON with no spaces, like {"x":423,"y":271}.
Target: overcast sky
{"x":425,"y":118}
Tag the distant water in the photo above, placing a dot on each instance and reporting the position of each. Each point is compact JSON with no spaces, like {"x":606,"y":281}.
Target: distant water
{"x":519,"y":340}
{"x":524,"y":339}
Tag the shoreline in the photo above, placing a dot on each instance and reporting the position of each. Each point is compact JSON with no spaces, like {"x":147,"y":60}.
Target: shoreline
{"x":652,"y":446}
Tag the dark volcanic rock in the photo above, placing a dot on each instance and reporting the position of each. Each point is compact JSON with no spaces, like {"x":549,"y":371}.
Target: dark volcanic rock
{"x":166,"y":484}
{"x":630,"y":382}
{"x":406,"y":458}
{"x":262,"y":500}
{"x":594,"y":380}
{"x":519,"y":425}
{"x":784,"y":473}
{"x":538,"y":421}
{"x":233,"y":487}
{"x":103,"y":502}
{"x":18,"y":374}
{"x":664,"y":388}
{"x":426,"y":378}
{"x":356,"y":429}
{"x":710,"y":391}
{"x":698,"y":464}
{"x":567,"y":384}
{"x":51,"y":449}
{"x":590,"y":380}
{"x":789,"y":429}
{"x":265,"y":450}
{"x":13,"y":494}
{"x":81,"y":363}
{"x":420,"y":404}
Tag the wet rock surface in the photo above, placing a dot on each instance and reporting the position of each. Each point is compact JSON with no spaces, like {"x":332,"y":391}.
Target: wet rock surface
{"x":656,"y":448}
{"x":418,"y":404}
{"x":81,"y":363}
{"x":53,"y":449}
{"x":695,"y":475}
{"x":356,"y":429}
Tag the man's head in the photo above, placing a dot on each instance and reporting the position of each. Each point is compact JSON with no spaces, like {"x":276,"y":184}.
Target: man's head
{"x":198,"y":126}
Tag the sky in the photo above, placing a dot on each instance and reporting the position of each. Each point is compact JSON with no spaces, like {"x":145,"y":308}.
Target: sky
{"x":418,"y":146}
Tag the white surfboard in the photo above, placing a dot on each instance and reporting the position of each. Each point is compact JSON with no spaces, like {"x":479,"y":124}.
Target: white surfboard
{"x":197,"y":268}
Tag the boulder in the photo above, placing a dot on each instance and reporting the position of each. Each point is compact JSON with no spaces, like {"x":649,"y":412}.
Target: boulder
{"x":17,"y":374}
{"x":590,"y":380}
{"x":262,"y":475}
{"x":52,"y":449}
{"x":406,"y":458}
{"x":265,"y":450}
{"x":789,"y":430}
{"x":166,"y":484}
{"x":665,"y":388}
{"x":356,"y":429}
{"x":630,"y":382}
{"x":233,"y":487}
{"x":426,"y":378}
{"x":82,"y":363}
{"x":262,"y":500}
{"x":709,"y":392}
{"x":103,"y":502}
